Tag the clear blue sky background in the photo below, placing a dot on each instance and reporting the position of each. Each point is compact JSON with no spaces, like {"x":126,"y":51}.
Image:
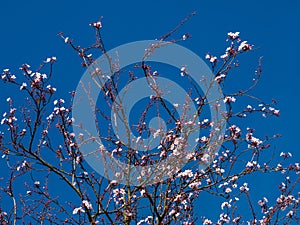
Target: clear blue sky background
{"x":28,"y":34}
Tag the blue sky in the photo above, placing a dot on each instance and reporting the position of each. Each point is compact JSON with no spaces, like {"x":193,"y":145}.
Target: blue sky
{"x":28,"y":34}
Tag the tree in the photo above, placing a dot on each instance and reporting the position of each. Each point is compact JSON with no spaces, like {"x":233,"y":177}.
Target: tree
{"x":147,"y":166}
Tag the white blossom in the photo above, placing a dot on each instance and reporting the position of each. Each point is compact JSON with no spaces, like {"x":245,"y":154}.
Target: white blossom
{"x":244,"y":187}
{"x":218,"y":78}
{"x":78,"y":210}
{"x":233,"y":35}
{"x":186,"y":173}
{"x":225,"y":204}
{"x":244,"y":46}
{"x":207,"y":221}
{"x":249,"y":107}
{"x":23,"y":86}
{"x":97,"y":25}
{"x":213,"y":59}
{"x":87,"y":204}
{"x":229,"y":99}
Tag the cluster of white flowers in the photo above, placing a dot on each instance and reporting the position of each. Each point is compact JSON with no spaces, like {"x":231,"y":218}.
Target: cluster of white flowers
{"x":26,"y":68}
{"x":37,"y":78}
{"x":186,"y":173}
{"x":224,"y":218}
{"x":23,"y":165}
{"x":119,"y":195}
{"x":269,"y":110}
{"x":37,"y":183}
{"x":87,"y":204}
{"x":290,"y":214}
{"x":236,"y":220}
{"x":253,"y":164}
{"x":51,"y":89}
{"x":212,"y":59}
{"x":297,"y":168}
{"x":233,"y":49}
{"x":244,"y":187}
{"x":235,"y":132}
{"x":51,"y":59}
{"x":233,"y":35}
{"x":285,"y":201}
{"x":143,"y":191}
{"x":227,"y":189}
{"x":59,"y":108}
{"x":78,"y":210}
{"x":23,"y":86}
{"x":7,"y":75}
{"x":183,"y":71}
{"x":203,"y":139}
{"x":249,"y":107}
{"x":158,"y":133}
{"x":220,"y":171}
{"x":207,"y":222}
{"x":60,"y":101}
{"x":285,"y":155}
{"x":174,"y":213}
{"x":244,"y":46}
{"x":220,"y":77}
{"x":206,"y":158}
{"x":195,"y":184}
{"x":264,"y":208}
{"x":96,"y":25}
{"x":178,"y":145}
{"x":9,"y":118}
{"x":253,"y":141}
{"x":147,"y":220}
{"x":276,"y":112}
{"x":2,"y":215}
{"x":229,"y":99}
{"x":225,"y":204}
